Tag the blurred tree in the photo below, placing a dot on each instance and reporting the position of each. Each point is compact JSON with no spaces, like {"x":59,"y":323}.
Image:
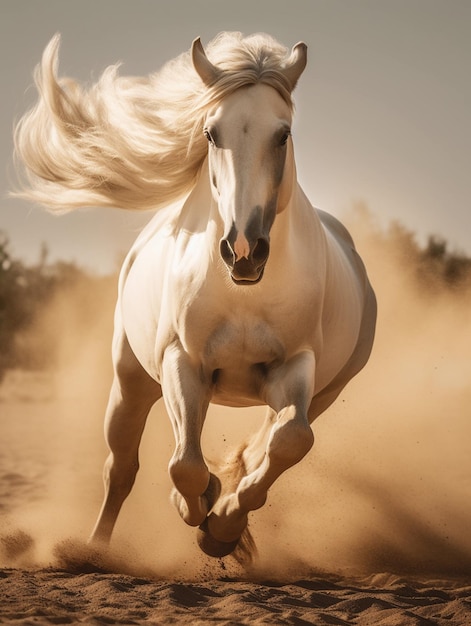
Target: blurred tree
{"x":26,"y":293}
{"x":439,"y":267}
{"x":13,"y":307}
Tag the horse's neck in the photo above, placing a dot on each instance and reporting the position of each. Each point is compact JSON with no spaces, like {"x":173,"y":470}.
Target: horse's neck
{"x":199,"y":209}
{"x":297,"y":225}
{"x":298,"y":221}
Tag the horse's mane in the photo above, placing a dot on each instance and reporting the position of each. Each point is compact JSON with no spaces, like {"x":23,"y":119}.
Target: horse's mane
{"x":132,"y":142}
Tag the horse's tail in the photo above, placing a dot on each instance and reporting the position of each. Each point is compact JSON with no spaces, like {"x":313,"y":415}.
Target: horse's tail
{"x":109,"y":145}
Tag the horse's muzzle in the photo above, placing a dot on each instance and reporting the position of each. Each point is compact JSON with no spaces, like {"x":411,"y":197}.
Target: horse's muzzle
{"x":246,"y":270}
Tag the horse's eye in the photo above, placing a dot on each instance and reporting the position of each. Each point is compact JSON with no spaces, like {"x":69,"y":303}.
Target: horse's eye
{"x":284,"y":138}
{"x":208,"y":136}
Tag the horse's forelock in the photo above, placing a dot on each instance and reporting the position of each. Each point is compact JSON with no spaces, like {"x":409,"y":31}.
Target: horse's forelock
{"x":247,"y":61}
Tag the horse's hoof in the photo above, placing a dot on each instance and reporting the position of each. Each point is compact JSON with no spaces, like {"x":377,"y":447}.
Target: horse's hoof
{"x":212,"y":546}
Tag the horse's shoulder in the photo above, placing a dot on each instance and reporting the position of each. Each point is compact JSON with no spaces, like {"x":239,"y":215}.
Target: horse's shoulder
{"x":163,"y":218}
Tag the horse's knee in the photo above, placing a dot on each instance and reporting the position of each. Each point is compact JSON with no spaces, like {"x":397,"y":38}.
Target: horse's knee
{"x":290,"y":440}
{"x":190,"y":476}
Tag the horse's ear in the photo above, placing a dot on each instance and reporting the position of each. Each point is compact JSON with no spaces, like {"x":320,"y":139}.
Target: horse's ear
{"x":295,"y":64}
{"x":203,"y":66}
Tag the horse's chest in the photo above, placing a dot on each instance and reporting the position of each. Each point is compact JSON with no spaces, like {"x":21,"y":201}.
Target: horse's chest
{"x":237,"y":337}
{"x":241,"y":342}
{"x":236,"y":356}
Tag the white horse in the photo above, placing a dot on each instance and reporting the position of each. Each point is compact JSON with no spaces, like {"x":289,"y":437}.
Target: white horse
{"x":240,"y":293}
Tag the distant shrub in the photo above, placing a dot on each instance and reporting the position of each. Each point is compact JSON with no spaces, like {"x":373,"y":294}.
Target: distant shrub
{"x":433,"y":266}
{"x":439,"y":267}
{"x":26,"y":293}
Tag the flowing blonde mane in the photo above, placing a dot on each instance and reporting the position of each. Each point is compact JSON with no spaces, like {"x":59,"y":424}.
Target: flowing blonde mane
{"x":132,"y":142}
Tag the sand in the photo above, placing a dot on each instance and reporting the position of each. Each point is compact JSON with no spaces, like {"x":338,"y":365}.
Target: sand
{"x":59,"y":597}
{"x":371,"y":528}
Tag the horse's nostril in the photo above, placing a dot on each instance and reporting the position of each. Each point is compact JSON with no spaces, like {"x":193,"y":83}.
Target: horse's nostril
{"x":226,"y":252}
{"x":261,"y":250}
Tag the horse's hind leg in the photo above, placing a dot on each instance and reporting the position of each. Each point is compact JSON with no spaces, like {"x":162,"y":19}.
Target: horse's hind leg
{"x":132,"y":395}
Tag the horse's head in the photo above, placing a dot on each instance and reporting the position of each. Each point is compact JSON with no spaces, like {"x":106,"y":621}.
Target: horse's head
{"x":249,"y":137}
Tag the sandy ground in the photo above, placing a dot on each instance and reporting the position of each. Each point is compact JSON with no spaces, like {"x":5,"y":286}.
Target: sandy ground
{"x":58,"y":597}
{"x":371,"y":528}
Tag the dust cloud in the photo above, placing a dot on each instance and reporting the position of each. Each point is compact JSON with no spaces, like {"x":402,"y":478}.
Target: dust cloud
{"x":386,"y":487}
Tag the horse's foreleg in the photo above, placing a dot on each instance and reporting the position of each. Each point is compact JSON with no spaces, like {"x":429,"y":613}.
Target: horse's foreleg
{"x":132,"y":395}
{"x":186,"y":397}
{"x":289,"y":392}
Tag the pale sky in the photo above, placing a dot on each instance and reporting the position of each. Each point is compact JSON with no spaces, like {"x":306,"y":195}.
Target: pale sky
{"x":383,"y":108}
